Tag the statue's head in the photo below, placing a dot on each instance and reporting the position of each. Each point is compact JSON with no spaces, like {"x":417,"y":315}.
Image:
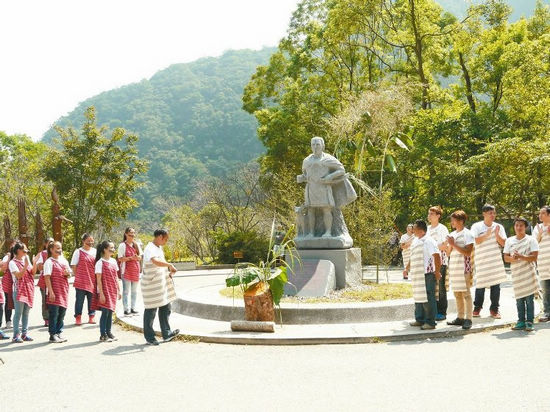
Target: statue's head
{"x":317,"y":145}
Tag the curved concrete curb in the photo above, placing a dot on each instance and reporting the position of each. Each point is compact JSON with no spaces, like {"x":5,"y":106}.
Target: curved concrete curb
{"x":302,"y":335}
{"x":303,"y":314}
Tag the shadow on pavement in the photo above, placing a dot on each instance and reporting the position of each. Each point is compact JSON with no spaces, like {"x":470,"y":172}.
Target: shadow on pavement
{"x":435,"y":339}
{"x":125,"y":350}
{"x":12,"y":347}
{"x":63,"y":346}
{"x":518,"y":334}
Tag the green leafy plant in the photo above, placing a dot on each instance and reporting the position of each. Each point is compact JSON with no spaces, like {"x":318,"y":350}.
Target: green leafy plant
{"x":272,"y":271}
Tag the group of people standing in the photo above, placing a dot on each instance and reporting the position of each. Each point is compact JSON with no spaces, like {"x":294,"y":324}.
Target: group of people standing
{"x":435,"y":258}
{"x":96,"y":280}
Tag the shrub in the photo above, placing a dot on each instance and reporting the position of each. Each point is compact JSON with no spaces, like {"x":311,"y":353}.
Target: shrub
{"x":253,"y":245}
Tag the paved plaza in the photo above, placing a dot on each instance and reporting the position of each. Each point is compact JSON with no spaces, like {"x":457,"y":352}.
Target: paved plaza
{"x":498,"y":370}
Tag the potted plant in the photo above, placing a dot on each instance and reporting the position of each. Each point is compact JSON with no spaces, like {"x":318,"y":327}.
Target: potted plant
{"x":263,"y":284}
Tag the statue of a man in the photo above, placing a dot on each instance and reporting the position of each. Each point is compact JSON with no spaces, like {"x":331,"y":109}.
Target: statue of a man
{"x":327,"y":189}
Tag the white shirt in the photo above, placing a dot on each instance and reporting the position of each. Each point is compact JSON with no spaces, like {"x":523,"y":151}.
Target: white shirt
{"x":48,"y":265}
{"x":14,"y":268}
{"x":99,"y":264}
{"x":538,"y":229}
{"x":480,"y":228}
{"x":122,"y":253}
{"x":153,"y":251}
{"x":509,"y":246}
{"x":468,"y":236}
{"x":430,"y":248}
{"x":439,"y":234}
{"x":405,"y":238}
{"x":76,"y":255}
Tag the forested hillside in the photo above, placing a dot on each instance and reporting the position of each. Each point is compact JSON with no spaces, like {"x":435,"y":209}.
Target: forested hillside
{"x":189,"y":120}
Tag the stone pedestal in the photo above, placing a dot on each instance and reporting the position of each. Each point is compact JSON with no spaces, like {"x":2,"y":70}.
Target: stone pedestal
{"x":347,"y":263}
{"x":311,"y":278}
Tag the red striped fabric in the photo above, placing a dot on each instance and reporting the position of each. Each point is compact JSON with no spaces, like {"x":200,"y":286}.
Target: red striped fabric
{"x":131,"y":271}
{"x":41,"y":281}
{"x":84,"y":276}
{"x":109,"y":279}
{"x":25,"y":285}
{"x":7,"y":285}
{"x":60,"y":284}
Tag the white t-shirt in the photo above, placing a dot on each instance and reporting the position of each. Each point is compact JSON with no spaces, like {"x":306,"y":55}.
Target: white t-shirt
{"x":480,"y":228}
{"x":76,"y":255}
{"x":439,"y":234}
{"x":14,"y":268}
{"x":430,"y":248}
{"x":512,"y":241}
{"x":405,"y":238}
{"x":99,"y":264}
{"x":153,"y":251}
{"x":122,"y":253}
{"x":48,"y":265}
{"x":538,"y":229}
{"x":468,"y":236}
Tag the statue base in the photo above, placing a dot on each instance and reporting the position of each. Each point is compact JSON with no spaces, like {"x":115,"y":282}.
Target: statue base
{"x":347,"y":263}
{"x":333,"y":242}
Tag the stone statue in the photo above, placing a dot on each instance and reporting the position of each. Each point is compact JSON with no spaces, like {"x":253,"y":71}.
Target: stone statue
{"x":319,"y":220}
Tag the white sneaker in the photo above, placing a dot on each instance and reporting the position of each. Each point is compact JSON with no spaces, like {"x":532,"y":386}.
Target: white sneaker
{"x":8,"y":324}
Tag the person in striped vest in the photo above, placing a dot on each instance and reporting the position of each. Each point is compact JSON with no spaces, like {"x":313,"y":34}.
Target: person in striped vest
{"x":42,"y":256}
{"x":461,"y":244}
{"x":7,"y":286}
{"x":129,"y":257}
{"x":82,"y":264}
{"x":521,"y":252}
{"x":57,"y":272}
{"x":425,"y":270}
{"x":405,"y":245}
{"x":157,"y":289}
{"x":439,"y":233}
{"x":3,"y":267}
{"x":488,"y":267}
{"x":23,"y":290}
{"x":2,"y":334}
{"x":106,"y":271}
{"x":541,"y":232}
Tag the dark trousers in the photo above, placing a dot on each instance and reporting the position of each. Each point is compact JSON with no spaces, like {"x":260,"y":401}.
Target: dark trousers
{"x":148,"y":318}
{"x":45,"y":312}
{"x":526,"y":304}
{"x":1,"y":313}
{"x":106,"y":321}
{"x":425,"y":312}
{"x":442,"y":302}
{"x":57,"y":315}
{"x":545,"y":296}
{"x":79,"y":303}
{"x":6,"y":310}
{"x":480,"y":297}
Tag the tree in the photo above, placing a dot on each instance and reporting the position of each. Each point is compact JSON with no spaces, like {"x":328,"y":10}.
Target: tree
{"x":95,"y":175}
{"x":21,"y":162}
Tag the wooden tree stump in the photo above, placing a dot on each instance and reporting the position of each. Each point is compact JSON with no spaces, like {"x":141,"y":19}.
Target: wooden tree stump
{"x":258,"y":303}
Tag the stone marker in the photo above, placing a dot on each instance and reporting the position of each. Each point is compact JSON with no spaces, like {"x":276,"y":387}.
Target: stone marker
{"x":311,"y":278}
{"x":252,"y":326}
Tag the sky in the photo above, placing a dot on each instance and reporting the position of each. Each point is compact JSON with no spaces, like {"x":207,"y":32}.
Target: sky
{"x":56,"y":53}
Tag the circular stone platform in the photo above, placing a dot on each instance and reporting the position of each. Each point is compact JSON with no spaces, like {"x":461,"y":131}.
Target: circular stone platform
{"x":202,"y":313}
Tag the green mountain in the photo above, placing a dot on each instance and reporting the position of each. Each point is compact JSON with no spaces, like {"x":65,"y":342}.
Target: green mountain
{"x":188,"y":118}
